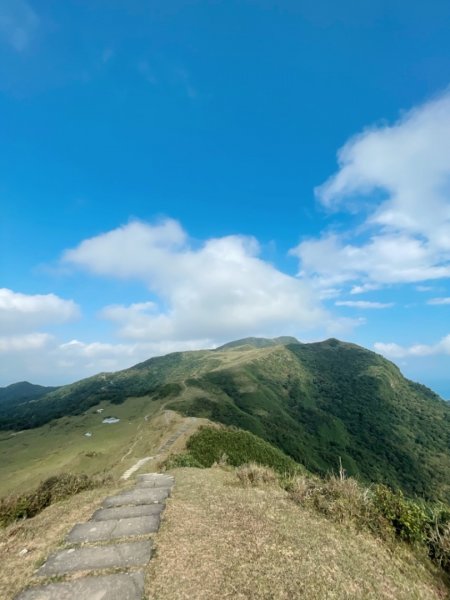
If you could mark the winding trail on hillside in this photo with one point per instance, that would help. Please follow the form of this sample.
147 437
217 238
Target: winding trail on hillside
161 450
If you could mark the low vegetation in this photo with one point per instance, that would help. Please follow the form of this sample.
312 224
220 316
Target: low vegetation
53 489
234 447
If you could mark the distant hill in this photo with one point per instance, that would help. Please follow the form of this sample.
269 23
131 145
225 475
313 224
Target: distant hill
317 402
22 392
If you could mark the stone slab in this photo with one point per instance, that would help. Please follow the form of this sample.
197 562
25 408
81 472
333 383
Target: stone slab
127 512
137 496
124 586
157 478
132 554
103 531
157 483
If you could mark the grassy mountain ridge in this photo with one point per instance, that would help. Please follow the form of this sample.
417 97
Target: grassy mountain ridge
316 402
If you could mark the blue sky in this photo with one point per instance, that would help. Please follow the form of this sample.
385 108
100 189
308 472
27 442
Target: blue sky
174 175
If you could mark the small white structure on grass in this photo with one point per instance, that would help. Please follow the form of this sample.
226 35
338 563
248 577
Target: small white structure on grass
110 420
88 434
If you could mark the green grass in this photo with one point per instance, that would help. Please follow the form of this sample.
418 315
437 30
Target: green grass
29 456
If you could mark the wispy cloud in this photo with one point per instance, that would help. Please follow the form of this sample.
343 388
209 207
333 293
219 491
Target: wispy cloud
147 72
439 301
18 24
364 304
393 350
424 288
165 73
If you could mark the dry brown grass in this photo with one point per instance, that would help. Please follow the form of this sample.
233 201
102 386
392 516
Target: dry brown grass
342 499
40 536
255 475
222 540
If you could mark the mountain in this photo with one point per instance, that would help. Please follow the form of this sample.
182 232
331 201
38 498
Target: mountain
22 392
317 402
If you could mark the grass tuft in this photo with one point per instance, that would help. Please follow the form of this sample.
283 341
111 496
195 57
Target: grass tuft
254 475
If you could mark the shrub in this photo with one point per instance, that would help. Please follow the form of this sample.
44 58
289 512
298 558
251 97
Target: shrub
438 537
208 445
408 518
184 459
53 489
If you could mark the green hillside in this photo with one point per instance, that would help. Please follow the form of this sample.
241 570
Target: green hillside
22 392
316 402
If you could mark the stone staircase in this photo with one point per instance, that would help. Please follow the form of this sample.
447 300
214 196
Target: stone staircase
107 554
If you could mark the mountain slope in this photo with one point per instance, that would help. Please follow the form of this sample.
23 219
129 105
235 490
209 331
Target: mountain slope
316 402
319 402
23 391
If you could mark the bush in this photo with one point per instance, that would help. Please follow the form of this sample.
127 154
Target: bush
438 537
53 489
408 518
184 459
209 445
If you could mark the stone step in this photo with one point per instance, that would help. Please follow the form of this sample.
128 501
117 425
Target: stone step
127 512
132 554
157 483
137 496
124 586
155 476
103 531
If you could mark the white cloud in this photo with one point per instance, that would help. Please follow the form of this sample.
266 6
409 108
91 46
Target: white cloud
27 353
24 342
398 177
392 350
18 23
25 312
385 259
107 356
362 289
220 290
439 301
424 288
363 304
410 162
